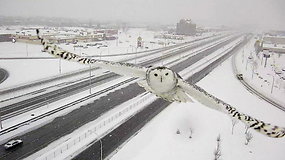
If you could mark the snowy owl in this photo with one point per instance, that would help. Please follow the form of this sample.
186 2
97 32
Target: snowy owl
167 84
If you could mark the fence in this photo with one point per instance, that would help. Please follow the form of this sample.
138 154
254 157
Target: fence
76 144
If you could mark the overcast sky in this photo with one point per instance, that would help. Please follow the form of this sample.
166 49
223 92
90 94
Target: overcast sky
246 13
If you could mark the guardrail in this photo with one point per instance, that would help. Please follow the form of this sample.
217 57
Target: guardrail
90 135
69 74
76 102
4 131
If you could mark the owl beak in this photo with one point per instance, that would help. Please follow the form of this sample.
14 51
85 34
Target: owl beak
161 79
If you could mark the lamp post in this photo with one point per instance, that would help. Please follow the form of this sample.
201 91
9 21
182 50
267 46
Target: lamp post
242 56
27 49
273 79
282 79
249 59
254 66
59 65
101 146
101 54
1 126
266 55
90 80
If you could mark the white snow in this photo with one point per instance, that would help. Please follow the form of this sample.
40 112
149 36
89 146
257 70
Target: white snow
260 77
67 150
158 139
44 109
93 130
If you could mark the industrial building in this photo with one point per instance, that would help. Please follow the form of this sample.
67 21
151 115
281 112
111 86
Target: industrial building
186 27
274 44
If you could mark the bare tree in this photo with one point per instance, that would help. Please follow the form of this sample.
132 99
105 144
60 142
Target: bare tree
217 151
178 131
234 122
191 132
248 137
246 129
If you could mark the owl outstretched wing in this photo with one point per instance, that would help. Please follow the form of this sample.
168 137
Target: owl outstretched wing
210 101
127 69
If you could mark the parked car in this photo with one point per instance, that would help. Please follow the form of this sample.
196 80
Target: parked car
13 143
239 76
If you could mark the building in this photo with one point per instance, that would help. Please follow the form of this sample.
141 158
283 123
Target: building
185 27
274 39
5 37
274 44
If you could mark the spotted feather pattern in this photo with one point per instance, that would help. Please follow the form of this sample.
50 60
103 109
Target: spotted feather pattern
211 101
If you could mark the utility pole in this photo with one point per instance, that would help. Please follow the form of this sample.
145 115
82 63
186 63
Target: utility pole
27 49
59 65
90 78
101 146
273 79
1 126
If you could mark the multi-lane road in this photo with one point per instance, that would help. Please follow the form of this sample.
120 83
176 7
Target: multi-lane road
41 137
118 136
3 75
42 97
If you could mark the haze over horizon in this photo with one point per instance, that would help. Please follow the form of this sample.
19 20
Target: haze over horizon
260 14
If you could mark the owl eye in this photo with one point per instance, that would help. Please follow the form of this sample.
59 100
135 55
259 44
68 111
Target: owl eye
166 74
155 75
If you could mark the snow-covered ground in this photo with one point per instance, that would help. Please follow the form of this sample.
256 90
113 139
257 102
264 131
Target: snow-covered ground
261 77
28 72
34 66
63 148
48 107
159 140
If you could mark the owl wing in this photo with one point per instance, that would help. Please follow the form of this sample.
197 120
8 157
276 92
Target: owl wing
210 101
117 67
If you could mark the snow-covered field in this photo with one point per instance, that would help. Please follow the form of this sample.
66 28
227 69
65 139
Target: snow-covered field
48 107
24 71
59 147
261 77
159 138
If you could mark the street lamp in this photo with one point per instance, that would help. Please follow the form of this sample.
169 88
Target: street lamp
249 59
266 55
253 66
101 53
59 65
101 146
1 126
272 82
242 56
89 75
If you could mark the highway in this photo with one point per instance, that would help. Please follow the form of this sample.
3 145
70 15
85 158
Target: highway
3 75
76 87
256 92
41 137
65 92
80 72
112 141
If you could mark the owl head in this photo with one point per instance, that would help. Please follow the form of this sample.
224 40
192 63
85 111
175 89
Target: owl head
161 79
